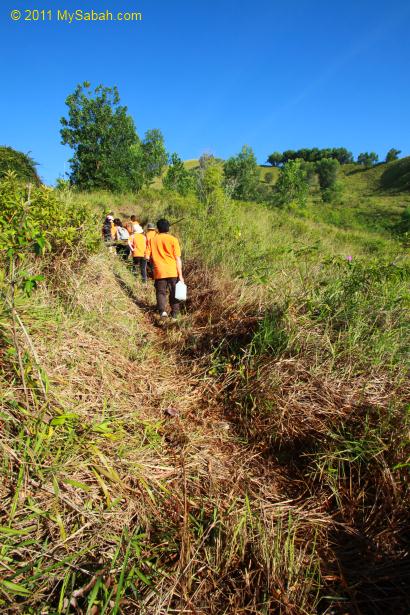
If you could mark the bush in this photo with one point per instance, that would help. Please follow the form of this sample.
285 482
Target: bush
38 220
292 185
22 164
327 169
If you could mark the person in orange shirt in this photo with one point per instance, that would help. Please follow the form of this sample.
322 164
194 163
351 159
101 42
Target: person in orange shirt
150 231
165 253
138 245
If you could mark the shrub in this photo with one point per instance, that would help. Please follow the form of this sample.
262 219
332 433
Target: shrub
292 185
327 169
22 164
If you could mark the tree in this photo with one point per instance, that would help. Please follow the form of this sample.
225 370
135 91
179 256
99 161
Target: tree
342 155
154 155
292 185
327 169
393 154
367 159
22 164
178 178
268 178
275 159
242 171
103 138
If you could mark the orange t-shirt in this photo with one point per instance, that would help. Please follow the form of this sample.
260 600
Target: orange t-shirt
149 235
164 250
138 244
113 231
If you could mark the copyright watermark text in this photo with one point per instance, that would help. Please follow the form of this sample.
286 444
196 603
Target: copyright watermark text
73 16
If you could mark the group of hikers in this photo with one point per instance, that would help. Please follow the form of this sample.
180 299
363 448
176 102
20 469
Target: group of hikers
155 254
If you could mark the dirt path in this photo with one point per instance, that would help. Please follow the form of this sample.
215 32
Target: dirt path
143 453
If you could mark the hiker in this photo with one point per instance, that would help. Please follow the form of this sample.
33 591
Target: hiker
122 235
107 228
138 246
165 253
133 226
149 234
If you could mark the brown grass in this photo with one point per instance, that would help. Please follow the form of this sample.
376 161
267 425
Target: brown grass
218 459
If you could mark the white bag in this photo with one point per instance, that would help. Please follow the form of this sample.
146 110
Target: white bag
180 291
122 233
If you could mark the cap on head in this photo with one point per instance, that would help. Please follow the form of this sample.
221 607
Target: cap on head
151 227
163 225
110 217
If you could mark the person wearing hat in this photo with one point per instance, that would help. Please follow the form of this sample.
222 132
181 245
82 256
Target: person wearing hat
138 246
165 253
150 232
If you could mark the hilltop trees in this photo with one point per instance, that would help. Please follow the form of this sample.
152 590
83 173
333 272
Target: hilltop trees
275 159
22 164
393 154
341 154
367 159
108 153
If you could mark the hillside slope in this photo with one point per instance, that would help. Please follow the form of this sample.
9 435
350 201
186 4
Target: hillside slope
251 459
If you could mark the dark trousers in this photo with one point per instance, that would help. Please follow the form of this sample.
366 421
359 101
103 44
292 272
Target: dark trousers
141 263
162 288
123 251
150 269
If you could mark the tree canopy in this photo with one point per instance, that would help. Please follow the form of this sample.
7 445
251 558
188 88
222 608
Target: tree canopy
242 172
367 159
22 164
341 154
108 154
393 154
177 177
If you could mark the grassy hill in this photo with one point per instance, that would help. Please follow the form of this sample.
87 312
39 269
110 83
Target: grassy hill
370 198
251 459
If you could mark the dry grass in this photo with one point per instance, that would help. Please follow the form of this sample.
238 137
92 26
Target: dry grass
112 504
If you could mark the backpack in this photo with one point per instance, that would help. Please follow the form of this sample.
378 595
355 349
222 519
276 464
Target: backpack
122 233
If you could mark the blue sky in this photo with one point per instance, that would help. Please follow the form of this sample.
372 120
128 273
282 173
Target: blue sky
215 74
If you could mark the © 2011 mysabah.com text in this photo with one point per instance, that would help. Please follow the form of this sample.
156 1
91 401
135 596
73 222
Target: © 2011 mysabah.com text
73 16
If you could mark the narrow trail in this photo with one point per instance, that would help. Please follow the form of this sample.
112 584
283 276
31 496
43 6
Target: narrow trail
161 457
194 419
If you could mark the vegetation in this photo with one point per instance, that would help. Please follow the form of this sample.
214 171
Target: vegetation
292 185
241 174
367 159
252 459
21 164
108 153
341 154
392 154
177 177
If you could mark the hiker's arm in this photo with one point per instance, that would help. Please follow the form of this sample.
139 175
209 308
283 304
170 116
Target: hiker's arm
179 268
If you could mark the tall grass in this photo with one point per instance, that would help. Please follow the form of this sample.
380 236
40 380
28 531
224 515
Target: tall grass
277 482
